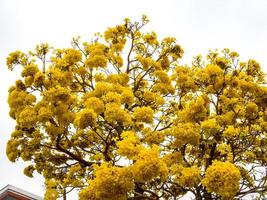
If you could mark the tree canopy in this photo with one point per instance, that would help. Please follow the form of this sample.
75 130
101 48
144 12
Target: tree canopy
120 118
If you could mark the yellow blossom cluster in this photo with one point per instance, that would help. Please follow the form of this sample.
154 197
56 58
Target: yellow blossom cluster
15 58
148 62
27 117
85 118
115 114
222 62
101 89
153 137
96 104
152 98
184 79
225 150
73 177
116 60
251 110
143 114
149 165
151 38
173 158
130 145
116 37
187 133
127 96
97 56
223 179
195 111
110 183
28 171
210 126
30 70
230 132
121 79
18 100
186 176
112 97
12 150
211 76
51 192
72 56
56 77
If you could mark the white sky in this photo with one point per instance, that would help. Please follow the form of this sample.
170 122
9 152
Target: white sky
240 25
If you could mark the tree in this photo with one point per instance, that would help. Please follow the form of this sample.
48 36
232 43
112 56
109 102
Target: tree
120 118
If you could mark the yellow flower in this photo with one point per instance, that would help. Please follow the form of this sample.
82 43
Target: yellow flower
117 60
110 182
17 134
224 149
130 145
102 88
153 98
153 137
39 79
151 38
185 133
163 88
97 55
145 62
28 171
12 149
44 114
96 104
96 61
114 114
85 118
112 97
29 70
27 117
173 158
222 178
14 58
165 63
184 79
127 96
210 126
17 100
230 132
143 114
210 74
121 79
162 76
51 192
72 56
99 77
186 176
195 111
222 62
148 165
252 110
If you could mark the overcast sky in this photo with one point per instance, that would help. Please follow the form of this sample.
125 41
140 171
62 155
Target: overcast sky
198 25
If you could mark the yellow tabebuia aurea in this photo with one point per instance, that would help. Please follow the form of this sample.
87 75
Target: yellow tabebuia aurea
120 118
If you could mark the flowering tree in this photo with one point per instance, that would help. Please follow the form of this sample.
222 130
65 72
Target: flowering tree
119 118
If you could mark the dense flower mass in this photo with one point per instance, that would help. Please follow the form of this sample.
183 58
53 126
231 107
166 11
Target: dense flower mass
143 114
222 178
110 183
120 118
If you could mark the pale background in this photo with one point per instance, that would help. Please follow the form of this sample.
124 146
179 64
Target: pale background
198 25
